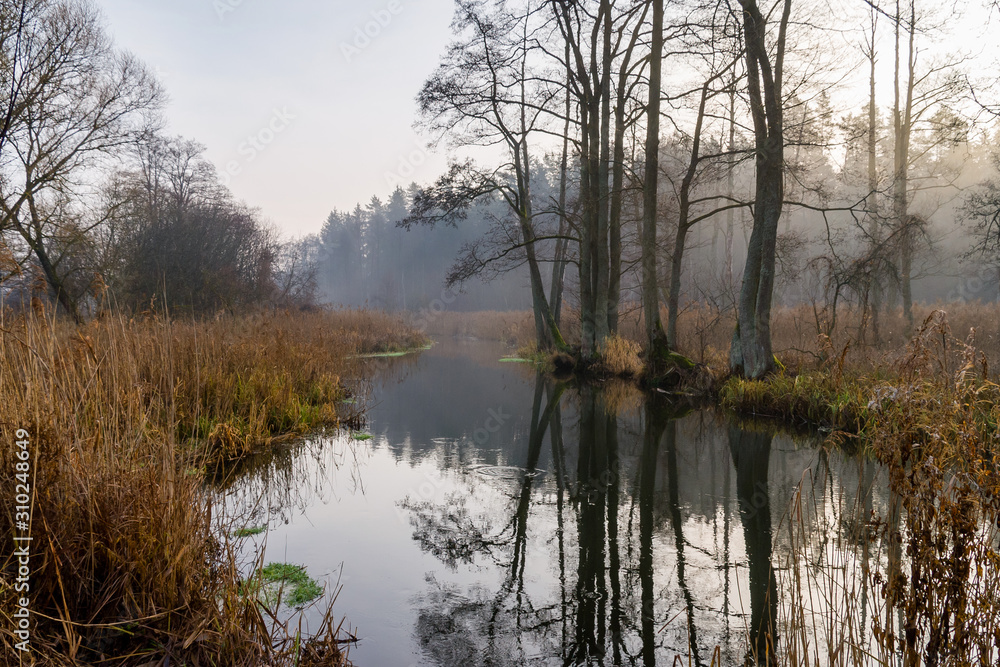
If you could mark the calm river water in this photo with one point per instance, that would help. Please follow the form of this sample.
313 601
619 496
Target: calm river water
496 518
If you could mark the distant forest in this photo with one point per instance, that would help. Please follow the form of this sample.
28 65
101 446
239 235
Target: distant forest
364 258
880 204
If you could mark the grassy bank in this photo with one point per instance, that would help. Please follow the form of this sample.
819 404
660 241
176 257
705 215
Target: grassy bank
122 416
929 414
914 582
803 338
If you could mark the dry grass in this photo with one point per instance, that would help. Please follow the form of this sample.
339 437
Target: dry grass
930 562
799 333
126 567
621 357
808 399
514 328
364 331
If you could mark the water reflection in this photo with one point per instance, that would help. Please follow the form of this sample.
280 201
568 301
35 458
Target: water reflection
508 519
612 606
751 454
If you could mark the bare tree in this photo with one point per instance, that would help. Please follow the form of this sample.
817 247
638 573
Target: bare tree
656 340
483 94
71 99
174 234
751 352
697 160
918 92
296 273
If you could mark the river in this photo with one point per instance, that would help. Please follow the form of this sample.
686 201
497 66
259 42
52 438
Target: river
499 518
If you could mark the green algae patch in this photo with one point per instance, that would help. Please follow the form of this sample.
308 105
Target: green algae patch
283 582
249 531
392 354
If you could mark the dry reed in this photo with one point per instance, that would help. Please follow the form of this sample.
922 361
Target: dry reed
126 567
802 337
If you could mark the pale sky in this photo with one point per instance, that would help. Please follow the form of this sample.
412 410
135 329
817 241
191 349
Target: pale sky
333 112
240 68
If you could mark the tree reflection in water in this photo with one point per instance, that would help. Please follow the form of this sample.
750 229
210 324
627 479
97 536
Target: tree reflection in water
623 587
751 453
593 525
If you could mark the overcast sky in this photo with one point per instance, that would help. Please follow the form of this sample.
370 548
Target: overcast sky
234 69
332 108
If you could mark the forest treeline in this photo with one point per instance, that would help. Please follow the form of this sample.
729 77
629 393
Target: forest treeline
362 257
97 204
607 158
737 154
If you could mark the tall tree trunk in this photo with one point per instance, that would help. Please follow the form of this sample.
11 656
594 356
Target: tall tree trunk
593 86
618 178
656 341
588 176
751 353
546 331
683 224
603 274
594 299
731 189
617 194
902 125
875 231
558 275
562 245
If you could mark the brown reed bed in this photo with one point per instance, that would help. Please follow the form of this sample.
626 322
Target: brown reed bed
514 328
915 582
123 416
803 337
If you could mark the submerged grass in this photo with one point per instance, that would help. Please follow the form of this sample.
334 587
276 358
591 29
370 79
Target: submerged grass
124 416
278 583
249 532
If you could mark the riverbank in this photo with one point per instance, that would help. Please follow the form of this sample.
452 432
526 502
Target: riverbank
930 417
124 417
926 409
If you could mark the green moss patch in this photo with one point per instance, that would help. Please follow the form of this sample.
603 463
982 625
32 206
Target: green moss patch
249 532
394 353
291 582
